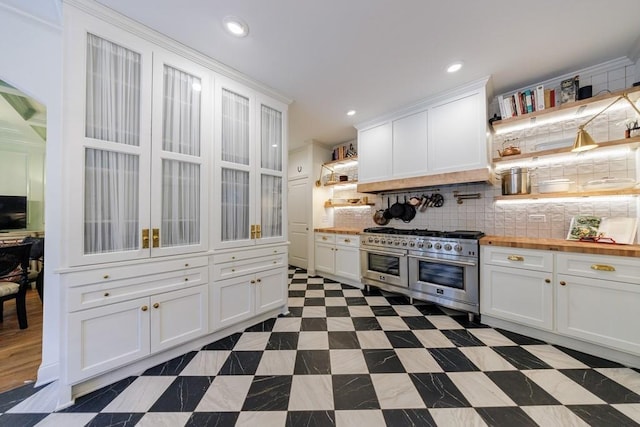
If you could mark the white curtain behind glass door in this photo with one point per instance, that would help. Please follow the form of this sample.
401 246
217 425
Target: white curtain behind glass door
235 205
235 128
271 216
271 138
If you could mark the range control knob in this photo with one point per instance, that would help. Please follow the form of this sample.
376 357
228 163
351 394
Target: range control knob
429 245
437 246
377 241
412 244
396 243
420 245
370 239
447 247
383 241
457 248
404 243
389 242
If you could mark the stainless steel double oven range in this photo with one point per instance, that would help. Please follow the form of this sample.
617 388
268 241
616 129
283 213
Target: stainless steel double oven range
437 266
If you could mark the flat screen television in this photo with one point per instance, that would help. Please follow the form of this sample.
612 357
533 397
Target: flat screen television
13 212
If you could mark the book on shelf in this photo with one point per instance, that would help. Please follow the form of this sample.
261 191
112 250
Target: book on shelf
518 101
528 101
540 99
549 98
506 112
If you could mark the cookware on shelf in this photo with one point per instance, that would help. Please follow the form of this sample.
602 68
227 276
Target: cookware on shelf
409 211
397 209
379 217
387 212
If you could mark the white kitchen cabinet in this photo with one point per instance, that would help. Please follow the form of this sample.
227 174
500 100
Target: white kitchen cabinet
338 257
242 297
598 299
409 155
139 147
458 133
114 335
375 152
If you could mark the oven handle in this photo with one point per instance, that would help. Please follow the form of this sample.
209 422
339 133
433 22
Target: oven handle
369 251
445 261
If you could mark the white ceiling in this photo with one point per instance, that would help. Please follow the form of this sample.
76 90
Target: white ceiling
377 55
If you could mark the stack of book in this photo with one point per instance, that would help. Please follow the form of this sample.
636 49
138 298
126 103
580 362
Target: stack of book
526 101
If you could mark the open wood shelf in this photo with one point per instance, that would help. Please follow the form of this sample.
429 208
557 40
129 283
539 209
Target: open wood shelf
341 161
626 192
329 204
352 181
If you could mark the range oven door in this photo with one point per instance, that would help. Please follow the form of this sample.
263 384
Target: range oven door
453 283
384 266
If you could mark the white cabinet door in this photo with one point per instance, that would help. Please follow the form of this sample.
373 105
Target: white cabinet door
347 262
231 301
375 153
179 316
522 296
271 289
325 258
599 311
458 134
107 337
410 145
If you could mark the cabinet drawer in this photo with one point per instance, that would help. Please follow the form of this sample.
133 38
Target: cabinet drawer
515 257
325 238
348 240
621 269
83 297
236 268
234 256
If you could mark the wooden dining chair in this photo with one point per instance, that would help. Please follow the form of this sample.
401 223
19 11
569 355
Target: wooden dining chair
14 279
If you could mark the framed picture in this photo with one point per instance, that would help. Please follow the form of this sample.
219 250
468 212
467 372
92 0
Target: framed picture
569 90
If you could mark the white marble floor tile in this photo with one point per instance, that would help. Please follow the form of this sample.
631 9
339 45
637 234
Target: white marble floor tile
340 324
298 287
140 395
206 362
392 323
625 376
631 410
467 417
417 360
360 311
261 418
479 390
226 393
348 362
315 281
43 401
491 337
314 293
554 416
311 392
277 362
296 302
314 311
377 301
368 418
373 339
444 322
486 359
335 301
313 340
352 293
69 420
287 324
332 287
563 389
554 357
433 338
164 419
396 391
407 310
252 341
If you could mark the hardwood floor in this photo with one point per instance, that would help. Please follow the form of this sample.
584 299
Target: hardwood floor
20 349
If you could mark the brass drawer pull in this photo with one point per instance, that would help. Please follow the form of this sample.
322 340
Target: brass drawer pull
252 282
186 265
106 276
186 279
563 283
259 280
324 238
106 294
547 280
156 305
603 267
515 258
347 240
144 308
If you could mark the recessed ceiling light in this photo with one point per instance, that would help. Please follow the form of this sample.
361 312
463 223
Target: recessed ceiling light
351 112
454 67
236 26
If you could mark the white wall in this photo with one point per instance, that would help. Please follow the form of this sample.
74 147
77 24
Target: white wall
31 47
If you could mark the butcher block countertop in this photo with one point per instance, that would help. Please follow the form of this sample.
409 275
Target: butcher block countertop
339 230
562 245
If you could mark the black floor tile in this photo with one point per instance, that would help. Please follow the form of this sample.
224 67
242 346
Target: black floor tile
408 417
438 391
418 322
283 341
343 340
520 339
521 389
333 293
97 400
266 326
115 419
11 398
398 300
312 362
403 339
429 309
521 358
463 319
602 416
383 310
602 386
339 311
214 419
315 287
297 294
241 363
382 361
506 416
226 343
366 324
356 301
22 420
311 419
462 338
294 312
589 360
298 281
372 292
313 324
268 393
173 366
183 395
354 392
314 302
452 360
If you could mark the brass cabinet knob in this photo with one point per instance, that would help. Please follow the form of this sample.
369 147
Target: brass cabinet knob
156 305
603 267
106 294
186 265
324 238
515 258
252 282
144 308
347 240
259 280
547 280
186 279
106 276
563 283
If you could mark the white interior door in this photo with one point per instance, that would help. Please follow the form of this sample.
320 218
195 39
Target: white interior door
298 211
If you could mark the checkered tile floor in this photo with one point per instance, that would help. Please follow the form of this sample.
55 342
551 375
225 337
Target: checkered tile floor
348 357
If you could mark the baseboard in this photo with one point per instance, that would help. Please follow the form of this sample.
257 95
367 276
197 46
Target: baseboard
47 373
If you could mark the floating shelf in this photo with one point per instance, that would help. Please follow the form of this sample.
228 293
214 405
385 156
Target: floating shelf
329 184
341 161
329 204
626 192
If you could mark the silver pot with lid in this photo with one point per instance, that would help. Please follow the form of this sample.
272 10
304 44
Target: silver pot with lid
516 180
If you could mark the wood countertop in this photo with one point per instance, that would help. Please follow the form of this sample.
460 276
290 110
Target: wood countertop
560 245
338 230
